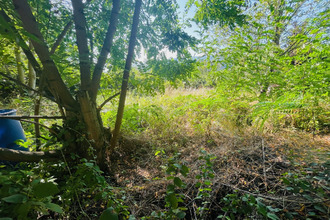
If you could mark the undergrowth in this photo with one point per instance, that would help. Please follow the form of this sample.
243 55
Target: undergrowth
188 153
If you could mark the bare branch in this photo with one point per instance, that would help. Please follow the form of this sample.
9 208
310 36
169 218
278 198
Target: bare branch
27 87
22 44
107 100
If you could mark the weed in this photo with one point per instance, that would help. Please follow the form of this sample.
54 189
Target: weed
25 195
204 184
311 183
175 171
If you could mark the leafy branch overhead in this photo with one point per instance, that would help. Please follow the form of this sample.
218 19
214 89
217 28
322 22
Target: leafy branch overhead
219 12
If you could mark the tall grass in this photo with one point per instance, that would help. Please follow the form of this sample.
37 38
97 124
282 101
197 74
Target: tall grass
179 114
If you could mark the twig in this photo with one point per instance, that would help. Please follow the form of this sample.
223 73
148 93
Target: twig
263 162
22 118
281 199
18 82
37 104
41 125
28 87
107 100
75 190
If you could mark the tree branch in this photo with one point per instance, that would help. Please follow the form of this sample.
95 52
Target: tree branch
50 71
107 100
27 87
17 117
61 37
26 156
22 44
80 26
107 44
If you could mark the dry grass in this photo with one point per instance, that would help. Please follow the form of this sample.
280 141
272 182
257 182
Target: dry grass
239 165
248 160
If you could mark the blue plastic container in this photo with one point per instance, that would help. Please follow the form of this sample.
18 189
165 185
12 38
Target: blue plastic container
11 131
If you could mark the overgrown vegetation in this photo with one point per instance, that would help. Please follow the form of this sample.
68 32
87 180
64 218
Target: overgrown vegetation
239 132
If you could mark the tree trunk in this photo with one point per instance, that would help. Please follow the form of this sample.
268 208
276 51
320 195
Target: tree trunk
32 75
19 63
127 70
96 135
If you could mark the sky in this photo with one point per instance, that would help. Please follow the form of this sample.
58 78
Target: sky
190 14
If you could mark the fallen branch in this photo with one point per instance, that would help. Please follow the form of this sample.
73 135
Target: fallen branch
26 156
17 117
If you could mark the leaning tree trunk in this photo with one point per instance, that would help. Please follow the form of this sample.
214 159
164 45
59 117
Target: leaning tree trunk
128 65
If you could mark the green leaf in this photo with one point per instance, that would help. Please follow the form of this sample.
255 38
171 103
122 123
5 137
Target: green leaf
42 190
6 218
171 187
172 200
272 216
273 209
184 170
54 207
108 214
177 166
177 181
262 209
157 152
181 215
17 198
89 164
320 208
207 182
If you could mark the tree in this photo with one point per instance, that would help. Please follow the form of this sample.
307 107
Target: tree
24 21
278 58
254 54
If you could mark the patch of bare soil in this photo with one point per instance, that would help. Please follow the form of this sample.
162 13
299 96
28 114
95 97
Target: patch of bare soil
287 170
